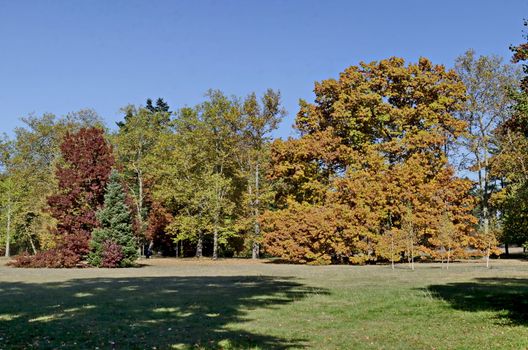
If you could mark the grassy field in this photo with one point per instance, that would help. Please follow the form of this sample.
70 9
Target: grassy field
234 304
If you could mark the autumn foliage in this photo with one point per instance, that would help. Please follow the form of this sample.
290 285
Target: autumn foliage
371 154
369 179
81 176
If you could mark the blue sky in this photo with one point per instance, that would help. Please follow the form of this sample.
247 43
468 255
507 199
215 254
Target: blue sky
61 56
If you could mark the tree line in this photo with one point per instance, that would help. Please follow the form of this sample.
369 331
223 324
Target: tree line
393 161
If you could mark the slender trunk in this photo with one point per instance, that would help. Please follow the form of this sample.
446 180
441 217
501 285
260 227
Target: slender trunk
412 254
507 249
486 234
139 208
140 202
8 232
219 197
215 243
256 249
255 253
448 256
199 245
488 256
392 251
389 229
33 248
150 246
483 187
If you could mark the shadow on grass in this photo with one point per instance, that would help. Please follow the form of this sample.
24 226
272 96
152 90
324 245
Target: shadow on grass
514 256
506 296
143 313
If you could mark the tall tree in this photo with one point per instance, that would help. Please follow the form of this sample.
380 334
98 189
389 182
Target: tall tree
160 107
82 176
258 119
28 165
196 171
136 138
115 229
374 141
216 114
12 201
489 83
510 161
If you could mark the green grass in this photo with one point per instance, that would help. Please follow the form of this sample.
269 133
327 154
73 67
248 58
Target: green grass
224 305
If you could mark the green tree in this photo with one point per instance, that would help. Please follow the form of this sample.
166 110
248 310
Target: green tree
510 160
8 192
160 107
489 83
135 140
196 170
33 154
258 119
115 220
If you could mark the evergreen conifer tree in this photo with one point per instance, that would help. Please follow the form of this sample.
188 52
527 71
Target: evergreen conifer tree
113 243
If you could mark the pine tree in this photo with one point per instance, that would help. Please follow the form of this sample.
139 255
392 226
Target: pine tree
113 243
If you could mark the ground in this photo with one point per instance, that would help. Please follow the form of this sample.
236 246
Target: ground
240 304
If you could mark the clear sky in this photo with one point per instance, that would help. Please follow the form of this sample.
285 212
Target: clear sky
61 56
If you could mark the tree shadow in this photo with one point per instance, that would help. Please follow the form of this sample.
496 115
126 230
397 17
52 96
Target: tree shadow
508 297
144 313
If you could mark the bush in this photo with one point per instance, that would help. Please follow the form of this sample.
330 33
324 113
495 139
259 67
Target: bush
112 254
53 258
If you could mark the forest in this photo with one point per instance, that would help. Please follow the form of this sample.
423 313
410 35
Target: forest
393 161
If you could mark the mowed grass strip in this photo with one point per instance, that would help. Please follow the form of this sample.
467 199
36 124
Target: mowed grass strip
225 305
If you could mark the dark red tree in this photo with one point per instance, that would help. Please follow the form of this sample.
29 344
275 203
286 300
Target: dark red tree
87 161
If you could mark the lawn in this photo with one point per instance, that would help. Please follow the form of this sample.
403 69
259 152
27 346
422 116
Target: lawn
238 304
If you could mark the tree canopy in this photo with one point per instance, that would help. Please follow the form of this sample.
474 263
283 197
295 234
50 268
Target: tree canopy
393 161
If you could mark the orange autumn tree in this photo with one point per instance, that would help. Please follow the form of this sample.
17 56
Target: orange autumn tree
371 152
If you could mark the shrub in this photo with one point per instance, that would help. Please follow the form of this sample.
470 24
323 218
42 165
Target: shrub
53 258
112 254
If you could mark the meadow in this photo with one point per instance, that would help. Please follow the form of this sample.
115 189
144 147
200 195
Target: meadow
240 304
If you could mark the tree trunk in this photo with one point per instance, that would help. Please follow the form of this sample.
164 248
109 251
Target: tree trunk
412 254
392 251
139 207
488 256
256 249
448 256
33 248
8 232
389 229
255 252
215 244
140 202
507 249
150 246
199 245
486 234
